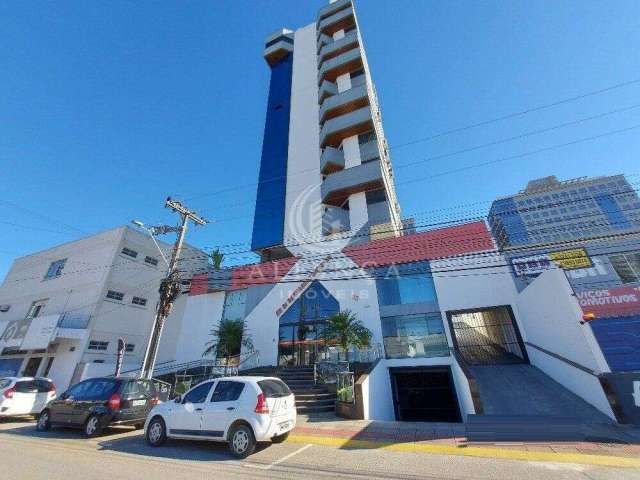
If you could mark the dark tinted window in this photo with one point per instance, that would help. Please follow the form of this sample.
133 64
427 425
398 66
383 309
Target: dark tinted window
198 394
147 387
227 391
77 391
273 388
44 385
100 389
25 387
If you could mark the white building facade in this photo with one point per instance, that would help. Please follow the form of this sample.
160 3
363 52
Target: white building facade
64 309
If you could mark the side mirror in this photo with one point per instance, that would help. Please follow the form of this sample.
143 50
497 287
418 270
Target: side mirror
178 399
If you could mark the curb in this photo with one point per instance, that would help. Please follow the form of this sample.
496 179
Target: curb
484 452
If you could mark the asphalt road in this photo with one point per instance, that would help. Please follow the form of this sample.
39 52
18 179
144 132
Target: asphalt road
26 454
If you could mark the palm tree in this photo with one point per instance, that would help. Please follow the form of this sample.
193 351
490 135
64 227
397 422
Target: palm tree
229 336
345 330
216 258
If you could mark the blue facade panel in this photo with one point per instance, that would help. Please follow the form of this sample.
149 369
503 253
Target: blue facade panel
612 211
504 216
268 223
619 339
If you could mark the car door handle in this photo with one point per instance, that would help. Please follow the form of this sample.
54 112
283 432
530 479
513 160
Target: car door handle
231 408
198 409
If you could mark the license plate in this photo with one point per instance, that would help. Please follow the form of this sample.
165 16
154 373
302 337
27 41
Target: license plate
284 425
138 403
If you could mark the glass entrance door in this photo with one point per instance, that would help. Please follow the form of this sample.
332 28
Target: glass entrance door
300 344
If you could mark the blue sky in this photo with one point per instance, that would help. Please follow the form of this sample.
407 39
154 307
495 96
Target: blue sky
108 107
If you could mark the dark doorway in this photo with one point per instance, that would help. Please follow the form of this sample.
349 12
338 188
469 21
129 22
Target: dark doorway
487 336
32 366
424 395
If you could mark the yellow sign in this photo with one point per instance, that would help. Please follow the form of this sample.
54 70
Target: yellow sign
571 259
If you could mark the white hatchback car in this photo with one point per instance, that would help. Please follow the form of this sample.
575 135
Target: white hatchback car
237 410
24 395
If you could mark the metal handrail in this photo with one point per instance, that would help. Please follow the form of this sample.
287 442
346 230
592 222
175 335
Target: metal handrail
563 359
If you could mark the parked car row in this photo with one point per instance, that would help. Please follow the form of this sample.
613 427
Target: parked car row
238 410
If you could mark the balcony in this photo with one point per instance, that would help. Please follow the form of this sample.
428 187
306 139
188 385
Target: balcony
369 151
337 187
344 102
344 63
332 8
336 47
340 20
331 160
278 46
73 325
327 89
335 220
336 129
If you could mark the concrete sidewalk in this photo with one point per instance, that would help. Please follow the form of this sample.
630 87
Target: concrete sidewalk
609 445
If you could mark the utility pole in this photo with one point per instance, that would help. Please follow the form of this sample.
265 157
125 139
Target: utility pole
170 285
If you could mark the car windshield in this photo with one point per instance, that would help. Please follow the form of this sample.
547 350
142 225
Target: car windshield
273 388
5 382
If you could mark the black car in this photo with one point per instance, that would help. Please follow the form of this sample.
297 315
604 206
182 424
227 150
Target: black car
99 402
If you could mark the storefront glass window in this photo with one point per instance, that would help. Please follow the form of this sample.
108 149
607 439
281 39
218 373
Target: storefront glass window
411 336
406 287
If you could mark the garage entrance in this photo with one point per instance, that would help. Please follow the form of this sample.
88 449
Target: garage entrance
424 394
487 336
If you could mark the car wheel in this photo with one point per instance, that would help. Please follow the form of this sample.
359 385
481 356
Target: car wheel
156 432
44 421
242 443
92 427
280 438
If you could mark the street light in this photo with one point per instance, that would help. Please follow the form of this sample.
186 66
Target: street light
152 232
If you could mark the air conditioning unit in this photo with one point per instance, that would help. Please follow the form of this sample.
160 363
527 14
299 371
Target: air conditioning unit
4 308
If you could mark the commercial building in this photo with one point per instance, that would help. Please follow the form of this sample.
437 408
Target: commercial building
455 337
325 167
549 210
62 310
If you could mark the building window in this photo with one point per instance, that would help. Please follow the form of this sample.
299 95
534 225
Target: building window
627 266
401 288
411 336
36 308
113 295
139 301
129 347
376 196
96 345
129 253
55 269
151 261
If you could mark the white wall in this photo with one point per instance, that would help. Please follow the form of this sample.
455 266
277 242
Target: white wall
378 398
465 401
550 316
303 214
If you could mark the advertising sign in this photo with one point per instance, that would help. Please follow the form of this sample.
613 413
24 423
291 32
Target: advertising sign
120 356
573 259
610 302
40 332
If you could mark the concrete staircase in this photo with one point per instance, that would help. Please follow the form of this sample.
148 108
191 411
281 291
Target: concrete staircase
521 402
310 398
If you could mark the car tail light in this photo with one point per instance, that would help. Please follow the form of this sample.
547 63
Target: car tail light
8 393
114 401
155 401
261 406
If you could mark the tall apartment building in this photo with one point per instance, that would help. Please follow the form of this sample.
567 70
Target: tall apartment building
62 310
325 166
549 210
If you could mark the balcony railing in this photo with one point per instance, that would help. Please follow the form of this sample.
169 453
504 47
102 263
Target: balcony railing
327 89
332 8
337 187
337 129
344 63
336 47
335 220
341 20
345 102
331 160
74 320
